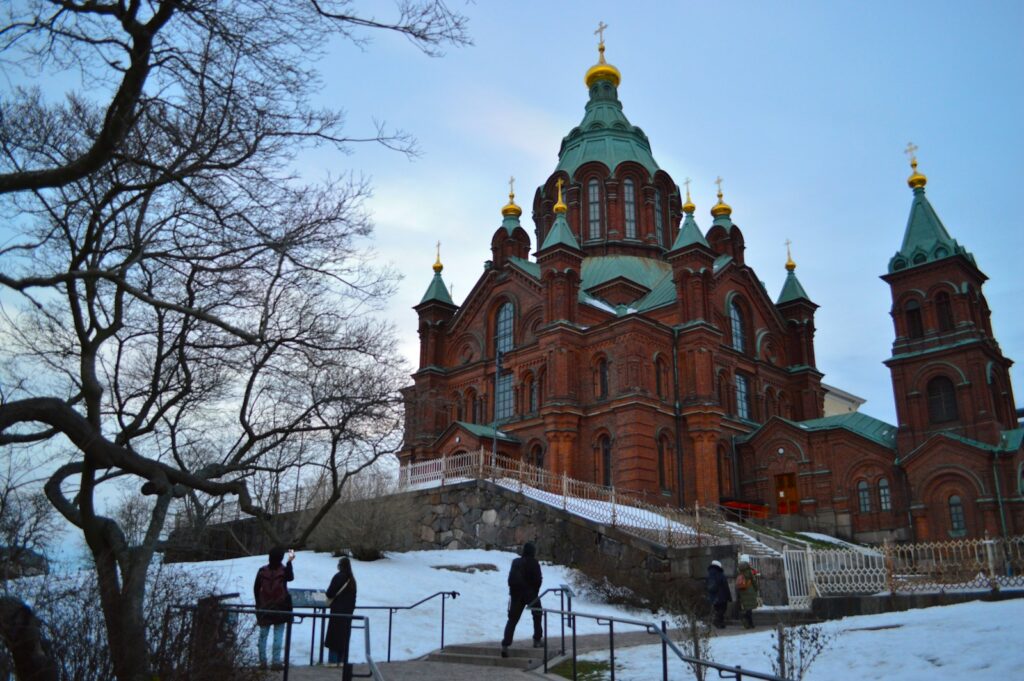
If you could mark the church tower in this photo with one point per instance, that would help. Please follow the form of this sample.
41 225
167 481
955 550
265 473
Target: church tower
948 372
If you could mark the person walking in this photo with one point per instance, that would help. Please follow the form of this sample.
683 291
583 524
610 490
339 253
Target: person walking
524 580
718 592
341 594
273 603
748 591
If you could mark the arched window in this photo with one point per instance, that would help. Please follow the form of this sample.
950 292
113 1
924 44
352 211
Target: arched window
594 209
944 311
912 313
957 522
941 400
737 326
884 498
503 328
458 407
662 478
742 397
659 219
537 456
629 201
531 393
504 398
661 378
864 496
606 461
602 379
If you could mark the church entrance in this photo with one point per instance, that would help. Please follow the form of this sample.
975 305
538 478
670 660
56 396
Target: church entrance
787 502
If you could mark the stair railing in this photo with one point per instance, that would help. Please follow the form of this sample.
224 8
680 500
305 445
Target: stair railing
392 609
565 596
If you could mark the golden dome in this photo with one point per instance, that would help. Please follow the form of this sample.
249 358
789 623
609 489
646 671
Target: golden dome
790 265
602 70
560 206
721 208
510 208
688 207
437 263
916 179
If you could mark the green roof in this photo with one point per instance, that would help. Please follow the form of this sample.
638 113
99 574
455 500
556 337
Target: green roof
1009 442
926 239
437 291
861 424
792 290
528 266
689 233
560 234
605 135
486 431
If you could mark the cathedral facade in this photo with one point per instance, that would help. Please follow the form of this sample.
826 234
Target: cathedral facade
637 351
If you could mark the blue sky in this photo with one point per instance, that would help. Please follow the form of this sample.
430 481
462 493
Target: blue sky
804 109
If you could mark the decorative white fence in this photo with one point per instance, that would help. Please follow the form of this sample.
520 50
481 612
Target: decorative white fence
959 565
627 511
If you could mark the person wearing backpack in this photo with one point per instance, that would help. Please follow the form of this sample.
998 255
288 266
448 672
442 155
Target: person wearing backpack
524 580
273 603
341 595
748 591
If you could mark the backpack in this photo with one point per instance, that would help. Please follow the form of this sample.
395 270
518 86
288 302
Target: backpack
273 591
741 581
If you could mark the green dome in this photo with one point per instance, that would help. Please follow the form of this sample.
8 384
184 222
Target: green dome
605 135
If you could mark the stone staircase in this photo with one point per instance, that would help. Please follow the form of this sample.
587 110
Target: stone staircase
490 656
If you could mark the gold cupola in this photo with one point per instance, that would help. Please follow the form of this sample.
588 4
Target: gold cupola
510 209
688 207
560 206
916 179
720 209
437 263
790 265
602 70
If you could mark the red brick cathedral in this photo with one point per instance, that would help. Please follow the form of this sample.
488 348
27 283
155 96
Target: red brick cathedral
638 351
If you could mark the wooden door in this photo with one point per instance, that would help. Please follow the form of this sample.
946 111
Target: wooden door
787 501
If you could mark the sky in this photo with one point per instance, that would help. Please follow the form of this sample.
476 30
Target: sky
972 640
803 108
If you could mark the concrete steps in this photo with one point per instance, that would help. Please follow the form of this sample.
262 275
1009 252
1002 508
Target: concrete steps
490 656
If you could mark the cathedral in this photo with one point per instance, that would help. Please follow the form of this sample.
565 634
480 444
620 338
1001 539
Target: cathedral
636 350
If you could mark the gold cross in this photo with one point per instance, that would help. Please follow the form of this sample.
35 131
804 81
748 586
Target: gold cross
911 151
687 183
788 242
439 251
718 181
600 31
559 183
511 188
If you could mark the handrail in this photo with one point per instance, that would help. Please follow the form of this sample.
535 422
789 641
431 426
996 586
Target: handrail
392 609
737 672
565 596
358 622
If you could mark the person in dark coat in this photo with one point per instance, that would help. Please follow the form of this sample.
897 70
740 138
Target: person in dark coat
524 580
718 592
342 595
270 592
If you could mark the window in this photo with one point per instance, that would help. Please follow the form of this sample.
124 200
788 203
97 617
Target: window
629 199
537 457
503 329
884 498
606 460
659 219
531 394
1020 480
864 496
736 323
944 311
660 378
602 379
912 310
957 522
661 463
941 400
742 397
504 401
594 209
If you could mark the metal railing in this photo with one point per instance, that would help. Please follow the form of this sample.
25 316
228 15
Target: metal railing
565 596
359 622
724 670
392 609
626 510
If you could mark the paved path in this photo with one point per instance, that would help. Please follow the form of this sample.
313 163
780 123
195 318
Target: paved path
424 670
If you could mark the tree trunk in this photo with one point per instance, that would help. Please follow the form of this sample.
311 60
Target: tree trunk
31 653
123 615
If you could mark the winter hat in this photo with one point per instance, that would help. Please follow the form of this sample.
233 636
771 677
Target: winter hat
716 563
744 559
529 550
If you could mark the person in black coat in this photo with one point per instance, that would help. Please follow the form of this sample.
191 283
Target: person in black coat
524 580
270 593
718 592
342 595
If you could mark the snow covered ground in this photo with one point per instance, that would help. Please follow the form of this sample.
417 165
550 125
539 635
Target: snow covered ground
972 640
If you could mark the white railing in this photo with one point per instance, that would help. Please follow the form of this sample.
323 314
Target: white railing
625 510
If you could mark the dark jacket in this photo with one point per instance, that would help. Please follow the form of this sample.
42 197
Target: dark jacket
343 591
524 579
718 587
268 572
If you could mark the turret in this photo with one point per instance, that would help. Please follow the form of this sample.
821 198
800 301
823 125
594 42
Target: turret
561 261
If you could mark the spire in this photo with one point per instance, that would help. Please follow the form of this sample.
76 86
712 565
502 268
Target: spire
510 210
925 239
560 233
437 292
721 210
689 232
791 289
602 70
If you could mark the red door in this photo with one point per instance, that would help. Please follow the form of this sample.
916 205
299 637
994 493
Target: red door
786 499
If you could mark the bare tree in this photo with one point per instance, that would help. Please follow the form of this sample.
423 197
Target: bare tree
28 522
195 319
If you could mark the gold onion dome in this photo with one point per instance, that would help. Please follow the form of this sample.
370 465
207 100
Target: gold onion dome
790 265
602 70
688 207
721 208
560 206
510 208
437 263
916 179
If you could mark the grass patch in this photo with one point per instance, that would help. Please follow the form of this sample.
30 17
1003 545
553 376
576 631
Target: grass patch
586 670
